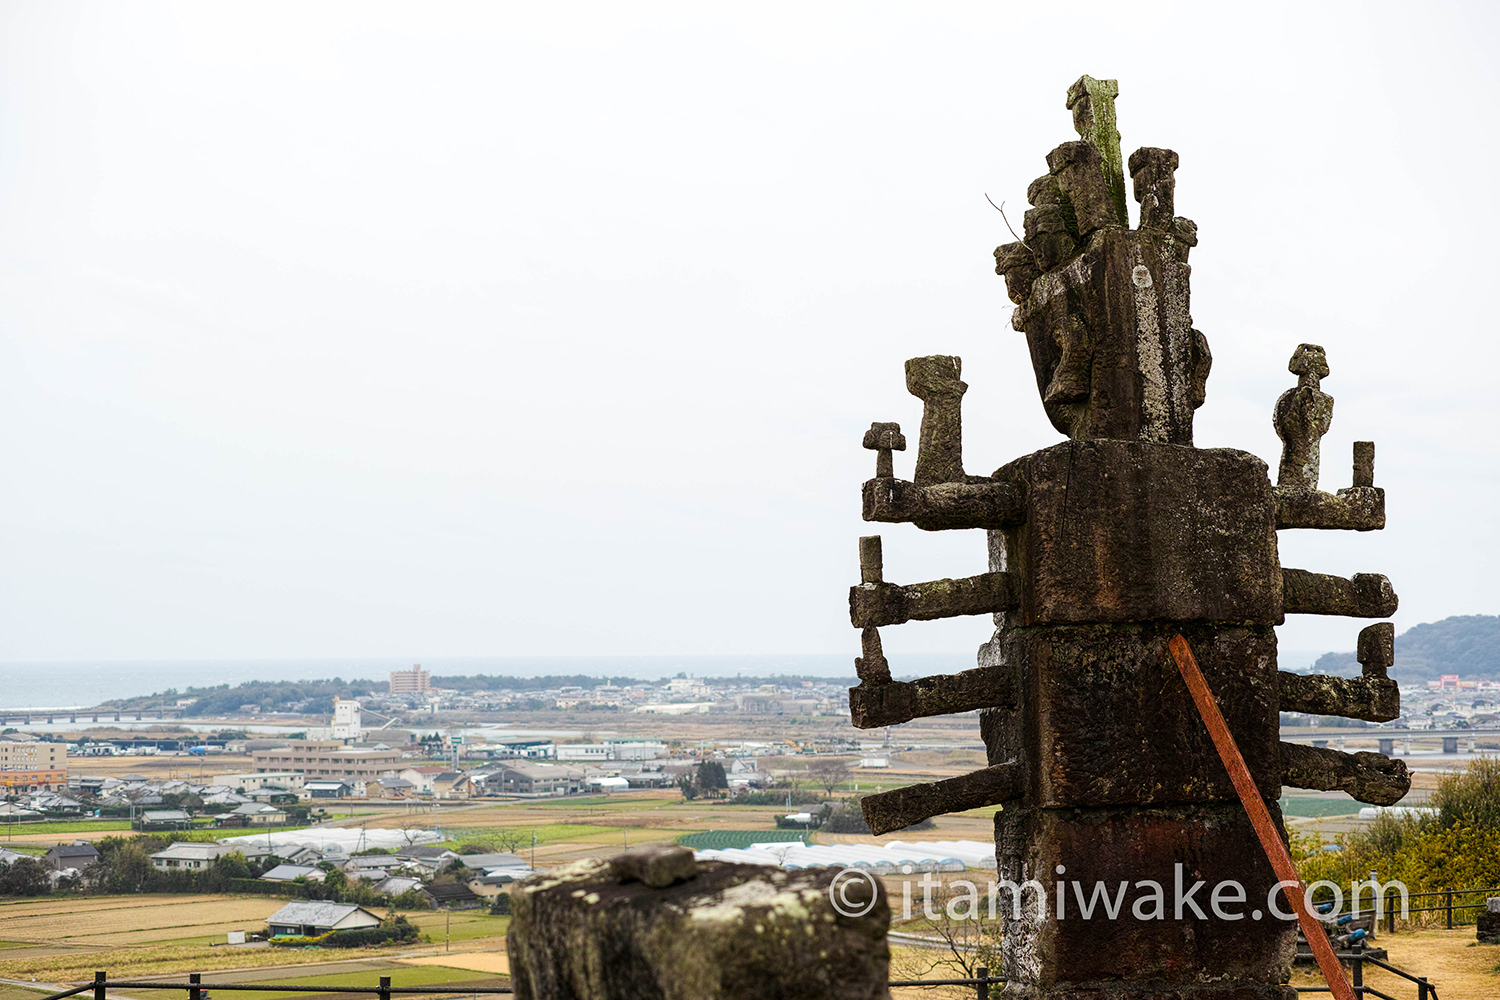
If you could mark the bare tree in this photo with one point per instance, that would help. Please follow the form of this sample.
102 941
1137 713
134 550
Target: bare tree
828 773
954 919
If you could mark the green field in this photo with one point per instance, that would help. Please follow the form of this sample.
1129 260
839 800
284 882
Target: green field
71 826
460 925
724 840
1309 806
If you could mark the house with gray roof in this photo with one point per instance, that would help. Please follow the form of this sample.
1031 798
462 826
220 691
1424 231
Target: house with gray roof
75 855
162 819
529 778
253 814
311 918
291 873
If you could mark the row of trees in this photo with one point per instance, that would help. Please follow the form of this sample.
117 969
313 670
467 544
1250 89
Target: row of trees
709 780
124 867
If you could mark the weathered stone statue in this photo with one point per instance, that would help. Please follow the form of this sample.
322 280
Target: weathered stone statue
1102 548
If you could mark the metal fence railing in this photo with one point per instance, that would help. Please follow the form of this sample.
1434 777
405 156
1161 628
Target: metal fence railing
981 981
1447 907
1357 963
197 989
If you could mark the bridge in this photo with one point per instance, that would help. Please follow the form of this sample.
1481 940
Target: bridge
1386 739
51 716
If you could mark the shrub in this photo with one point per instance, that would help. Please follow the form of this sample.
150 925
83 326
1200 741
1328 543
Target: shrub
846 819
394 930
771 798
1470 797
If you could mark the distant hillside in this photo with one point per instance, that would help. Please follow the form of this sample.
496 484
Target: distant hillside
1464 644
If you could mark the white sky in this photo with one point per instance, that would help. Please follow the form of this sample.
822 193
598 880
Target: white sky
335 330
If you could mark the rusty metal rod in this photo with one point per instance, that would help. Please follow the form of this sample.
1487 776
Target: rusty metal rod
1260 819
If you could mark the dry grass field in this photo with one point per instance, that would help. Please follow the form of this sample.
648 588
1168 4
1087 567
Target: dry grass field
50 937
54 940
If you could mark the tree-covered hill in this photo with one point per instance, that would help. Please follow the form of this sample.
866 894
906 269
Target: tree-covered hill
1468 645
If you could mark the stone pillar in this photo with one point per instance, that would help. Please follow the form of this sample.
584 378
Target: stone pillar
1124 784
1102 549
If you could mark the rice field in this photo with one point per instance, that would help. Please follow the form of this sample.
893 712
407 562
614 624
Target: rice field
121 920
65 940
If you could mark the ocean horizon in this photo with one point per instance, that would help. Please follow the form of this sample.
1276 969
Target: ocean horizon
80 684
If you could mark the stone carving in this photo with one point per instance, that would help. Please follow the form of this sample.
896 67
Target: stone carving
653 923
1302 418
1102 548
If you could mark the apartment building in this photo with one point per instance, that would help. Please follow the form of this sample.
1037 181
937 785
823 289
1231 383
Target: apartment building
33 766
413 681
329 759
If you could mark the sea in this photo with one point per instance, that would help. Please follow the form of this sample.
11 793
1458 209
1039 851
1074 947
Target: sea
63 685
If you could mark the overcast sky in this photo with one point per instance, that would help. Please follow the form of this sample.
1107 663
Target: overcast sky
340 330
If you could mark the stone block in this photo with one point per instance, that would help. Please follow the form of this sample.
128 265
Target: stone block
1488 931
600 930
1126 531
1137 953
1108 721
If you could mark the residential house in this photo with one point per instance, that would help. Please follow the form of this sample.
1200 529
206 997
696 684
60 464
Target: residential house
191 857
422 776
486 862
12 813
328 789
451 896
488 887
375 867
195 856
391 788
395 885
453 785
431 859
250 782
75 855
291 873
254 814
311 854
536 778
162 819
311 919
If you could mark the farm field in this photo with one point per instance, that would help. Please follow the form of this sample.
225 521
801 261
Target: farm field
65 940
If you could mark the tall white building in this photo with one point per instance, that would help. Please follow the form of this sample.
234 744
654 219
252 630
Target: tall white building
346 720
